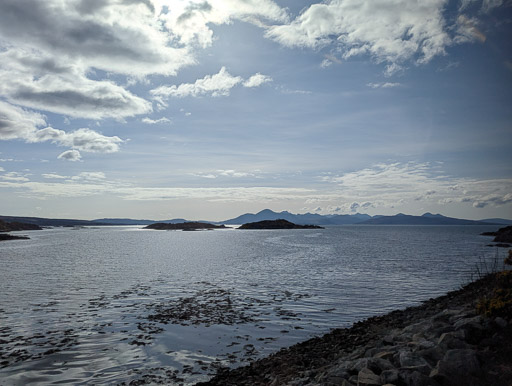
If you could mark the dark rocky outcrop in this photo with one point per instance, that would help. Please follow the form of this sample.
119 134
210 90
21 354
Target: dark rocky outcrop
502 235
443 342
17 226
277 224
185 226
4 237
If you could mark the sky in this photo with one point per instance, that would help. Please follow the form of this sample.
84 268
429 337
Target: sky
205 110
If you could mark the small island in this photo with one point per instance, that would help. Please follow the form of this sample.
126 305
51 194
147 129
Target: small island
277 224
4 237
15 226
502 236
185 226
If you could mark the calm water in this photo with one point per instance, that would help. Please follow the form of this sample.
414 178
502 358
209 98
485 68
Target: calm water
117 304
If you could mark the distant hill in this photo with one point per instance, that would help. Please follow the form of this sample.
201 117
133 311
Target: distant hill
17 226
500 221
277 224
49 222
302 219
130 221
425 219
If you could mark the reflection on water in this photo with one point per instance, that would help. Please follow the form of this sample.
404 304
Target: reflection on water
119 304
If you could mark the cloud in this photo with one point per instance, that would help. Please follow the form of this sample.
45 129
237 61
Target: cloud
225 173
467 30
190 22
383 185
150 121
384 85
120 36
390 31
18 123
40 82
90 176
82 139
257 80
216 85
14 176
70 155
54 176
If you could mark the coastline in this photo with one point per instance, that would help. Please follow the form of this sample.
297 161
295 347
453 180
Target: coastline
443 341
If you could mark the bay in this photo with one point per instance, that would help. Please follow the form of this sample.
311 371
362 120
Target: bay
120 304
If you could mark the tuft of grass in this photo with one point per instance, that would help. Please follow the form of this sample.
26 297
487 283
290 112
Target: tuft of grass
499 303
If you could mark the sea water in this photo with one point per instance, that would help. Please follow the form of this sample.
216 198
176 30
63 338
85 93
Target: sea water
111 305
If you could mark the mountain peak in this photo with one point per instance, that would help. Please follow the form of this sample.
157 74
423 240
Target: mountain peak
428 214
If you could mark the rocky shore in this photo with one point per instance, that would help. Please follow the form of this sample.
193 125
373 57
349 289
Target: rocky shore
462 338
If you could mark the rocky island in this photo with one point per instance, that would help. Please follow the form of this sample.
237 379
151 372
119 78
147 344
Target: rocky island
277 224
185 226
502 236
15 226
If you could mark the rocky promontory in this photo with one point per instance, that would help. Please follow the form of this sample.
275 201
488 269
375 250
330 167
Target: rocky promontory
502 235
5 237
185 226
17 226
277 224
462 338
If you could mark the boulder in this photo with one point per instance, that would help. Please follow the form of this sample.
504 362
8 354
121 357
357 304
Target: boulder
366 377
458 367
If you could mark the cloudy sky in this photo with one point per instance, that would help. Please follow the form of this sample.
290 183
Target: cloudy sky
209 109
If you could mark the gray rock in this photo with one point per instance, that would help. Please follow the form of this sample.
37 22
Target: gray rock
465 323
412 361
432 355
366 377
384 355
389 376
416 378
458 367
452 340
418 327
500 322
376 365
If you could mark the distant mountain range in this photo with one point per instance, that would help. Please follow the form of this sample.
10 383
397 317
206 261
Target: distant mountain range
362 219
267 214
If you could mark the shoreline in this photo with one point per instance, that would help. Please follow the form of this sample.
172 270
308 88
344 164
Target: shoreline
443 341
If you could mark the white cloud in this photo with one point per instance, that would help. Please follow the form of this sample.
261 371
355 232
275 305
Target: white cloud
120 36
54 176
150 121
390 31
257 80
70 155
18 123
90 176
190 22
82 139
41 82
14 176
219 84
225 173
216 85
384 85
384 185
